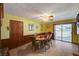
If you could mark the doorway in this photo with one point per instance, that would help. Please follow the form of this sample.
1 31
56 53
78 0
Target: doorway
16 33
63 32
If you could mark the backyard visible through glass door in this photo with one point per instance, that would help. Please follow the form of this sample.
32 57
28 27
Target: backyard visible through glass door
63 32
67 32
57 33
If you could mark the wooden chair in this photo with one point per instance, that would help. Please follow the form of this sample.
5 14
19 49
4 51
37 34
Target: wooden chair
49 40
35 44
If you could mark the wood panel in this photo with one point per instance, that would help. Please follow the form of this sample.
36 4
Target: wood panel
53 36
1 16
1 10
26 39
16 33
7 42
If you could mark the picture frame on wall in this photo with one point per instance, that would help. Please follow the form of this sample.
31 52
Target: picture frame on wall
30 27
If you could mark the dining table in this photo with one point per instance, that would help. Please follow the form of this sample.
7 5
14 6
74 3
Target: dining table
42 39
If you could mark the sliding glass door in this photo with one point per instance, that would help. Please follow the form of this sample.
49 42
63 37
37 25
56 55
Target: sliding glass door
67 32
57 34
63 32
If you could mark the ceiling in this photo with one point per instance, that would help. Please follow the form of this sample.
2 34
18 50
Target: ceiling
33 11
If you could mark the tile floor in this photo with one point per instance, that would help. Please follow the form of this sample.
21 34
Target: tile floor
58 48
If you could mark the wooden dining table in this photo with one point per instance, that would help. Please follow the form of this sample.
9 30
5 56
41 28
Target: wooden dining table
42 39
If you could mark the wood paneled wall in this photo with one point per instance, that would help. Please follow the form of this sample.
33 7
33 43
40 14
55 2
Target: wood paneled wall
7 42
25 40
1 16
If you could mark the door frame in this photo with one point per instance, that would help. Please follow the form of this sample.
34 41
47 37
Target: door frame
61 37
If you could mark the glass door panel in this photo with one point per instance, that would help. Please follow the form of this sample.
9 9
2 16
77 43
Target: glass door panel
63 32
66 32
57 34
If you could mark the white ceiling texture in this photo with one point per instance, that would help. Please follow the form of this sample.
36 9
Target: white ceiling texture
33 11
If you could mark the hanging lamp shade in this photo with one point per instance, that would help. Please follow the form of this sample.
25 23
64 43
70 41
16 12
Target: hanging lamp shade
50 17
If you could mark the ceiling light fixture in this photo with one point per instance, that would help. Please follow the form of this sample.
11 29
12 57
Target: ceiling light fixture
46 18
50 17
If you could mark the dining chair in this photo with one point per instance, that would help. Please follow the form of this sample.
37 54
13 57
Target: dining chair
35 44
49 40
46 42
42 39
